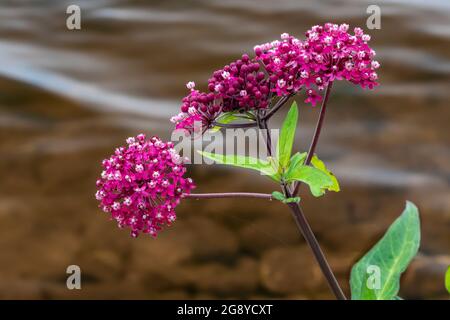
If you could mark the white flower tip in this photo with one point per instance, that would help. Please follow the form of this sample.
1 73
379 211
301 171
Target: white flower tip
190 85
285 36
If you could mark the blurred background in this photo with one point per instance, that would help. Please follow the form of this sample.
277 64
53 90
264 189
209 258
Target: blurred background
67 98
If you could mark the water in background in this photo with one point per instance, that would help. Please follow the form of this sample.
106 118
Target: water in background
67 97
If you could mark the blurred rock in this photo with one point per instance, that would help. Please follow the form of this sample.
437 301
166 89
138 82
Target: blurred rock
171 295
100 264
297 297
47 258
16 220
17 289
352 237
238 280
95 290
193 238
435 221
425 278
353 219
266 233
161 262
156 280
291 271
100 232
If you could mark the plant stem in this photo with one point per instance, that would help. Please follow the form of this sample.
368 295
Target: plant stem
306 231
229 195
311 240
319 124
263 125
317 131
277 106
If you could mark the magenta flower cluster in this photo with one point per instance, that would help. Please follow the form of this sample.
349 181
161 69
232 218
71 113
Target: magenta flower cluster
241 85
327 54
142 183
283 67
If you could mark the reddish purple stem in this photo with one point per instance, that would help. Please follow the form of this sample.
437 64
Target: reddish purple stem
229 195
317 131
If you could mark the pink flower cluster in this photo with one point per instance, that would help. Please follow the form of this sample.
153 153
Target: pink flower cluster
198 111
142 183
328 53
241 85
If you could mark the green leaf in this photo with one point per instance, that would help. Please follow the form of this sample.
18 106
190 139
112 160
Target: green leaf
390 256
278 196
263 167
317 163
296 160
292 200
245 115
274 163
397 298
225 118
287 135
281 197
317 180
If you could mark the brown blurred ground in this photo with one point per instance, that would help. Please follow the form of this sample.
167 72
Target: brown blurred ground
385 146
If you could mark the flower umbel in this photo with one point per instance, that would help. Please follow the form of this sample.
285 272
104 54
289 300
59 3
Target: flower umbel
328 53
241 86
142 183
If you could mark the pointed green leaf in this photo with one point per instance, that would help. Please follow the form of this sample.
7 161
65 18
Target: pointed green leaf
317 163
287 135
274 163
389 257
296 160
317 180
244 162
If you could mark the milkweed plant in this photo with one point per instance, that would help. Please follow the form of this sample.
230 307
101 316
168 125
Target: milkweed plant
143 182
